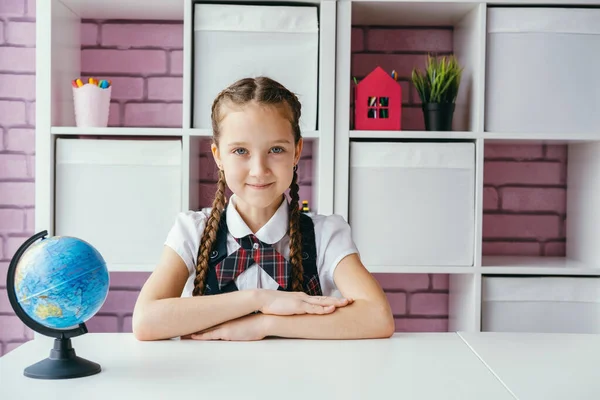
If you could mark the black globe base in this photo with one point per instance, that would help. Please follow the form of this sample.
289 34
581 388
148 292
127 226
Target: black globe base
63 363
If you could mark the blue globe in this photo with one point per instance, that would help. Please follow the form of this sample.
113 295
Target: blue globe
61 282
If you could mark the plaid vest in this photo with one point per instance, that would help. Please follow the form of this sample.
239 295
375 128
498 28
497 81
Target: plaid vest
311 283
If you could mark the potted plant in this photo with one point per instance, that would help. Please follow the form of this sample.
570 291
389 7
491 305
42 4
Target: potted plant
438 89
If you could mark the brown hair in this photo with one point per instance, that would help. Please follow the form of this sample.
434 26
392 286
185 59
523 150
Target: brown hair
265 91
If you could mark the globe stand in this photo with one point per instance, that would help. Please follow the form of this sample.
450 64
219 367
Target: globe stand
63 363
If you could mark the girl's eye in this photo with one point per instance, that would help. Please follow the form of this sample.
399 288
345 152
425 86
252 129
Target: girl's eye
240 151
277 150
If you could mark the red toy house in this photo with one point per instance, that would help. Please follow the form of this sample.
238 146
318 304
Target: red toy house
378 102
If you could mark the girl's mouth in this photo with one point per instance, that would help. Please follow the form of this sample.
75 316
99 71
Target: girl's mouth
260 186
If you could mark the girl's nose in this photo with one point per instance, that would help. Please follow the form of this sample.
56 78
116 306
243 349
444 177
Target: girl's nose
259 166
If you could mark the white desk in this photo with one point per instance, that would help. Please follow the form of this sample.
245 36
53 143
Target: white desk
408 366
542 366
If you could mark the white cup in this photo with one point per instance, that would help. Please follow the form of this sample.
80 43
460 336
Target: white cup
92 104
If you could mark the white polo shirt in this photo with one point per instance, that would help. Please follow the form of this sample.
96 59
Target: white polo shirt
332 237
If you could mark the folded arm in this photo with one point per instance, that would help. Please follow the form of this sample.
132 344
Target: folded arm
369 316
161 313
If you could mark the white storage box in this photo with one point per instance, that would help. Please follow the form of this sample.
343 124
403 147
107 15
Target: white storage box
542 70
237 41
413 203
121 196
541 304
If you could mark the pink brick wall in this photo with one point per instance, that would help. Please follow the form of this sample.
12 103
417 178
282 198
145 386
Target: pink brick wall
17 144
524 200
146 70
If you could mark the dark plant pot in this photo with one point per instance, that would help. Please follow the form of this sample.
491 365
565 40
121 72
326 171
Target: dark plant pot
438 116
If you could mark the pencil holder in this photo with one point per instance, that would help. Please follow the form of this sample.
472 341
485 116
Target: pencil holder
91 104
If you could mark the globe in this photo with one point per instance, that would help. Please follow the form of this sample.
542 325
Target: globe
55 284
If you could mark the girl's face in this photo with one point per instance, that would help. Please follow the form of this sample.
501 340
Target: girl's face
257 154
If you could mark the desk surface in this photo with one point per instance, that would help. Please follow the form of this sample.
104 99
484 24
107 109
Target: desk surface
542 366
407 366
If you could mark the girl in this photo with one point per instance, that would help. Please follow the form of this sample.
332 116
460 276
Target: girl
254 266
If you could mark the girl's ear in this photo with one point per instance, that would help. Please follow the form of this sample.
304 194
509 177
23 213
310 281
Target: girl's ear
298 151
216 155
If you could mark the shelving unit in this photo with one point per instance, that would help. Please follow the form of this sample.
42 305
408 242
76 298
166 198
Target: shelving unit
58 61
468 19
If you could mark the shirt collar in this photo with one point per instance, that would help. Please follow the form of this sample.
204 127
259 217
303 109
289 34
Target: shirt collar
272 232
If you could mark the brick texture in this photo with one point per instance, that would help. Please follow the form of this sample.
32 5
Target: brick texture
17 148
524 200
419 301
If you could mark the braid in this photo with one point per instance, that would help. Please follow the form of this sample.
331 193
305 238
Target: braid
209 236
295 237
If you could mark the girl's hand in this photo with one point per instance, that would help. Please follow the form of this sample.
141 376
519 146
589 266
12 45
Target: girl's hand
249 327
278 302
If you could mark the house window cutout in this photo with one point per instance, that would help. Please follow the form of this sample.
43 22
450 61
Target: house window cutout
378 107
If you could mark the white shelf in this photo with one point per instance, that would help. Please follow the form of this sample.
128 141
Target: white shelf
412 135
200 132
554 137
413 13
523 265
311 135
116 131
489 137
139 9
420 269
127 9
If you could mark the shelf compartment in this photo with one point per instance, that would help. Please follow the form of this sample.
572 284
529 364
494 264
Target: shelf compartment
143 68
560 45
426 216
241 40
431 302
540 200
121 196
524 199
556 304
399 38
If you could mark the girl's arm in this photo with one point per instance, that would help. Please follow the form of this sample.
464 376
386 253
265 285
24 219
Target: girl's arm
161 313
369 316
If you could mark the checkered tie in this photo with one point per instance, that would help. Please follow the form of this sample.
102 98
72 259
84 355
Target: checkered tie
252 251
